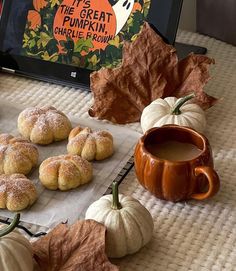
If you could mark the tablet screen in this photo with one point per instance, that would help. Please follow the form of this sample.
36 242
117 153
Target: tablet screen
82 33
63 41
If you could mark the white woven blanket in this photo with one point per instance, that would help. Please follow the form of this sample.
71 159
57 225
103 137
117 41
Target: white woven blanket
193 235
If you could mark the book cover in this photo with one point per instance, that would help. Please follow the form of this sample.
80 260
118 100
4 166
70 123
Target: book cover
83 33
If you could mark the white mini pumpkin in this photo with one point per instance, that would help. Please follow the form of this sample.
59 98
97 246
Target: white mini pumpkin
173 111
129 224
15 250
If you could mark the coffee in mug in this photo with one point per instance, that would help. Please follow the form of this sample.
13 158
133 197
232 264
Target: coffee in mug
174 150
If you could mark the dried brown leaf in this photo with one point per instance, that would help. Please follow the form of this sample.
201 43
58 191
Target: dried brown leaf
150 70
79 247
192 73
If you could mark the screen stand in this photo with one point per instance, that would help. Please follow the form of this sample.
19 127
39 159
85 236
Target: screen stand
184 49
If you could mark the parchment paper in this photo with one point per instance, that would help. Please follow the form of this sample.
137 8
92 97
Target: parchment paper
53 207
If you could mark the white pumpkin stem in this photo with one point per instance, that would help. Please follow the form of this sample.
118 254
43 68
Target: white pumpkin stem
182 101
10 227
115 193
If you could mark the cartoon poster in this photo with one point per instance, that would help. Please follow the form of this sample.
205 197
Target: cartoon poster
83 33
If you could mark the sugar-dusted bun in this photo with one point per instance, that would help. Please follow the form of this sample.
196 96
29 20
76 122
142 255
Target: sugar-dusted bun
90 145
16 192
43 125
65 172
17 155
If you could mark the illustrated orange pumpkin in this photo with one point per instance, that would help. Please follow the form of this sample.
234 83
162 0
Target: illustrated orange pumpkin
83 20
137 7
39 4
34 19
61 49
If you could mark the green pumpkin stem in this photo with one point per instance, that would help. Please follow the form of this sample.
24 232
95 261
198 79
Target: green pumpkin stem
115 193
10 227
176 110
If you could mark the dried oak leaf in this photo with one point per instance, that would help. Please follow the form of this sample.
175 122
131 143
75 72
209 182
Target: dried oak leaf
79 247
150 69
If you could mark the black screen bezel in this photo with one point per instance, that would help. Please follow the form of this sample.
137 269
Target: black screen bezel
163 17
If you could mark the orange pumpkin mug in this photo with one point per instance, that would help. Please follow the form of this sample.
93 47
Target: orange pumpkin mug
175 163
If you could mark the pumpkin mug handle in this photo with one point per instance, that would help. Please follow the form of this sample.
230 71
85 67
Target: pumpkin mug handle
213 180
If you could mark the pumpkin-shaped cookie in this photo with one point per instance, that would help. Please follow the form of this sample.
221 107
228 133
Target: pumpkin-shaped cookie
43 125
17 155
16 192
65 172
90 145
